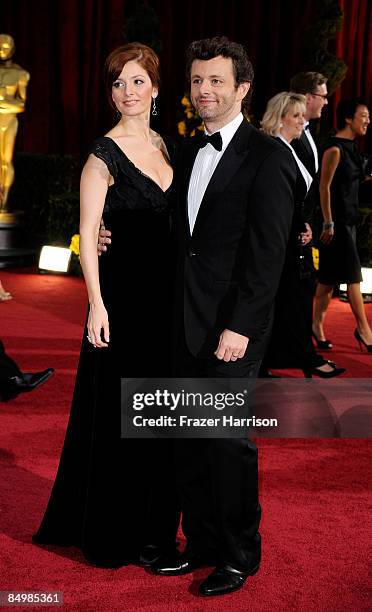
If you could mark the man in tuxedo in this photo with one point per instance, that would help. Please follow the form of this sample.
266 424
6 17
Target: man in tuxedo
313 86
235 205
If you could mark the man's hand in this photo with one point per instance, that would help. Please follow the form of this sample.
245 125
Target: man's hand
305 237
104 237
232 346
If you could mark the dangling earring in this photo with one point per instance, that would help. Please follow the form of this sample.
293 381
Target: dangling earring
154 111
117 115
280 125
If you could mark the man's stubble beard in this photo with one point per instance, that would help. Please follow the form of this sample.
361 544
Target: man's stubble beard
206 114
222 109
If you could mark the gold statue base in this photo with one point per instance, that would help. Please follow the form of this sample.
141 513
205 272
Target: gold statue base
9 229
12 250
8 218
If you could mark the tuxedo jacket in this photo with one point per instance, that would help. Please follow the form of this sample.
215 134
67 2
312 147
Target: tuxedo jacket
229 268
305 153
300 194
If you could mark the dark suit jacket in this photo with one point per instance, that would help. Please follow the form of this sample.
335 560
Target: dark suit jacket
306 155
298 220
229 269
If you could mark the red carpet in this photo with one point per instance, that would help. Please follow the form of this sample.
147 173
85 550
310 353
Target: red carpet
314 493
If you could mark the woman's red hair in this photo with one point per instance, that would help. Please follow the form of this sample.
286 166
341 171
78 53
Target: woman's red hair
142 54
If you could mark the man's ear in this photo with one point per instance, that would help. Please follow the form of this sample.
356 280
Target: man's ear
243 89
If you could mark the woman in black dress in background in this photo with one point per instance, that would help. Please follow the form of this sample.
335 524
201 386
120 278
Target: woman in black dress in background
114 497
339 196
291 344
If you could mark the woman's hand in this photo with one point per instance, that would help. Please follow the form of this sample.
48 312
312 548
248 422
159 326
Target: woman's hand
98 320
327 235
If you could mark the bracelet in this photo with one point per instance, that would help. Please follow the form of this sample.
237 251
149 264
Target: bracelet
327 226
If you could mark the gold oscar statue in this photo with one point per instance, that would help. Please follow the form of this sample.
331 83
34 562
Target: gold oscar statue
13 86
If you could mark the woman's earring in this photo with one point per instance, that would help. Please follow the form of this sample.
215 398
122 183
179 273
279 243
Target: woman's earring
280 125
117 115
154 111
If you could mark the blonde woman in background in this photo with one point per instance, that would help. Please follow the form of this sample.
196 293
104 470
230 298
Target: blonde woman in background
291 344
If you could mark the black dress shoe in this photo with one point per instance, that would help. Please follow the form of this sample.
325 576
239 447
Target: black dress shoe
225 580
178 564
152 553
264 373
23 382
310 372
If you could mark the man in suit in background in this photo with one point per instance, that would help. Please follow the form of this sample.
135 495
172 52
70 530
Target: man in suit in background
235 192
313 85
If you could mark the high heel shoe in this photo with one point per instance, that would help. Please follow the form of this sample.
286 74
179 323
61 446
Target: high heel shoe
324 345
361 342
310 372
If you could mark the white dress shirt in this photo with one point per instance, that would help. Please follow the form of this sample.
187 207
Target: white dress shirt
302 168
204 166
312 144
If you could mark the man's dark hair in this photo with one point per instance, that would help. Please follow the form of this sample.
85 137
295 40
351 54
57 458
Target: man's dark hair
346 109
208 48
307 82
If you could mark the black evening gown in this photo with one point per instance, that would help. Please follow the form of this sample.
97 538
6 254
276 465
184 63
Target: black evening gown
111 495
339 261
290 344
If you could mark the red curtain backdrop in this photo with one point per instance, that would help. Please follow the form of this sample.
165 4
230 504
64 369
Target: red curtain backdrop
354 46
63 45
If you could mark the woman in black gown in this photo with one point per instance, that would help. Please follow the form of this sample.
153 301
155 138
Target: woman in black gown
291 344
112 497
339 196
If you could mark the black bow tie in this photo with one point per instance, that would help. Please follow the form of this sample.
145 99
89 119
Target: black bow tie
215 140
307 127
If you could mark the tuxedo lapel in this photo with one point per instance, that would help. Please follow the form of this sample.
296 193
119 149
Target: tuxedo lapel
305 141
231 160
308 156
188 159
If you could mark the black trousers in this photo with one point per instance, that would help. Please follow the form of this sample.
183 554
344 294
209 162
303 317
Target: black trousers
8 367
218 479
291 344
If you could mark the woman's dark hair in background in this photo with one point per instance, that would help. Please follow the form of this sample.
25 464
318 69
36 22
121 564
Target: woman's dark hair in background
346 109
